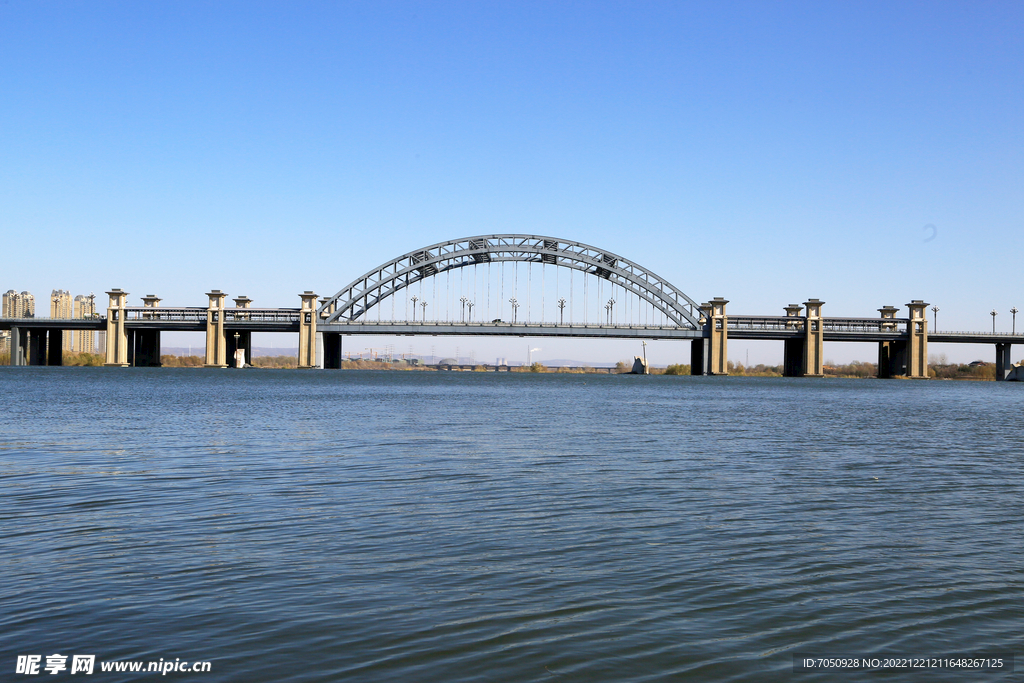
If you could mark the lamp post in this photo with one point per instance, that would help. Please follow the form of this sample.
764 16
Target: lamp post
935 318
423 305
470 304
561 311
1013 311
515 308
414 300
464 300
994 314
610 306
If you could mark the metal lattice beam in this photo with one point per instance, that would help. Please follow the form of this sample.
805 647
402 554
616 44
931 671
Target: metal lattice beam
365 292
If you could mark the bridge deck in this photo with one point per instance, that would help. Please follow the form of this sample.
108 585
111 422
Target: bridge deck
287 320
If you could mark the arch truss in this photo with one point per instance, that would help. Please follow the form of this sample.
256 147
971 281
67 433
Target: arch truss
365 292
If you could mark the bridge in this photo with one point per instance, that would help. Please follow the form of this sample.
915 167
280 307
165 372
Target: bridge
542 274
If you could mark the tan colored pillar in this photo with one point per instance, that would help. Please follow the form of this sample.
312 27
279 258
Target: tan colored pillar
117 338
793 311
307 330
329 311
216 343
150 301
814 347
917 340
719 337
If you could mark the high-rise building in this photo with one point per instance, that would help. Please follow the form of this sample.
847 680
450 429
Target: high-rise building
18 305
10 304
62 306
28 305
85 340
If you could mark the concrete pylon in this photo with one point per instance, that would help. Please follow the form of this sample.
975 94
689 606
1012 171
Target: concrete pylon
700 349
719 337
117 338
1003 363
917 340
19 346
216 343
814 344
307 330
144 345
793 348
240 339
892 355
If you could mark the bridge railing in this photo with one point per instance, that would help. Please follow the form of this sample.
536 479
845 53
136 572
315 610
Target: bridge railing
865 324
772 323
44 319
784 323
504 323
199 315
192 315
262 315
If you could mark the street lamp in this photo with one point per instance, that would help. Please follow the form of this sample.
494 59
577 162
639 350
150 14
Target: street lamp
470 304
610 306
935 318
423 305
464 300
414 300
515 308
994 314
561 311
1014 312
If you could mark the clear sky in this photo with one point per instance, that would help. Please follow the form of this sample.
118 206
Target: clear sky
765 152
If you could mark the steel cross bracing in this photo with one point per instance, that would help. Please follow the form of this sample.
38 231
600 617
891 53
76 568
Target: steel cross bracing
367 291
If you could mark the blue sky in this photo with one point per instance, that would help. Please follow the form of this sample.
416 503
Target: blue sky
764 152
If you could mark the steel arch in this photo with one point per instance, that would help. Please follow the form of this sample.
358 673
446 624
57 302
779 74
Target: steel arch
365 292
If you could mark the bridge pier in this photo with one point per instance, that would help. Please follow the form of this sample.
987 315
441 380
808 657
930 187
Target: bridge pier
793 353
699 356
307 331
117 339
1003 362
917 340
719 337
144 345
36 347
329 350
793 350
216 344
814 340
144 348
55 349
19 346
891 354
892 359
240 339
243 342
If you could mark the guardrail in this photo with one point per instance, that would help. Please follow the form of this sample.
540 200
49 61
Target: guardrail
199 315
38 319
783 323
506 323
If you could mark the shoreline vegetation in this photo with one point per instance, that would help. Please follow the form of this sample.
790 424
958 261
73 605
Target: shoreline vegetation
977 371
